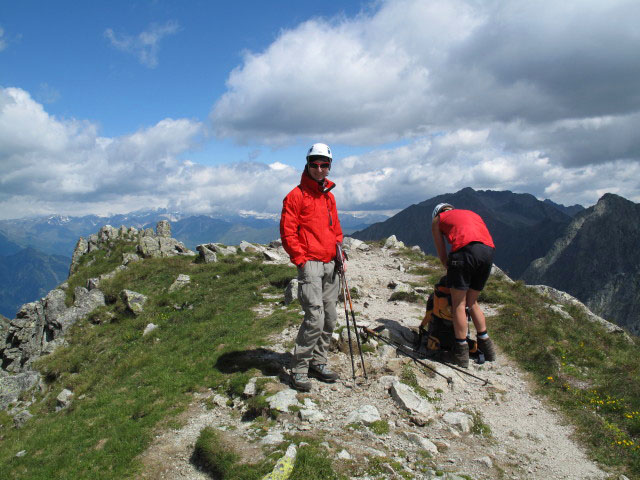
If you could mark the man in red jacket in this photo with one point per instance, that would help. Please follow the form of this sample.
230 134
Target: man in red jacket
468 267
310 230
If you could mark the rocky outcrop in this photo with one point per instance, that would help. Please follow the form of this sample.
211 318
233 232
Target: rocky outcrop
39 327
149 244
597 261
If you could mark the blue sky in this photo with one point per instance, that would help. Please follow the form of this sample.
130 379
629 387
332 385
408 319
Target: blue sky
108 107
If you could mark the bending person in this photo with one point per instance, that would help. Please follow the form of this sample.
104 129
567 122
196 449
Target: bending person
468 267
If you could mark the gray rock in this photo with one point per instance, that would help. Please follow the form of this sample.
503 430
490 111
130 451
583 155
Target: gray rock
11 386
393 242
21 418
128 258
82 247
250 247
344 455
459 420
63 400
163 229
486 461
39 326
422 442
149 328
366 414
291 292
134 301
272 438
409 400
250 388
282 400
497 272
398 286
206 254
353 244
271 256
181 282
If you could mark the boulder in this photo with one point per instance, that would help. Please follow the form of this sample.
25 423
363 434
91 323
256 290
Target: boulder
133 300
393 242
422 442
163 229
206 254
180 282
11 386
39 326
458 420
82 247
63 400
366 414
21 418
271 256
282 400
407 398
149 328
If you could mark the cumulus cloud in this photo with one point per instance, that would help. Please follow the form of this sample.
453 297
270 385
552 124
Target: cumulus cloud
559 78
54 166
146 45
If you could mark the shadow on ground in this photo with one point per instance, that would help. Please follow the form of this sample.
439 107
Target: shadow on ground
269 363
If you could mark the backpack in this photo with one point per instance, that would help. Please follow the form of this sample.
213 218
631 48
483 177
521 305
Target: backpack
436 334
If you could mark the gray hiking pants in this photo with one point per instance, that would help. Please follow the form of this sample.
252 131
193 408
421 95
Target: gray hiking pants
318 293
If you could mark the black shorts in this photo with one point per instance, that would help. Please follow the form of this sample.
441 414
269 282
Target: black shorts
470 266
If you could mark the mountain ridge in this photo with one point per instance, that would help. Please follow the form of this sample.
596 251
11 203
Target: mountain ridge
597 261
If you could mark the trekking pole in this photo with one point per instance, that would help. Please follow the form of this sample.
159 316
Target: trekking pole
404 348
407 352
353 316
346 314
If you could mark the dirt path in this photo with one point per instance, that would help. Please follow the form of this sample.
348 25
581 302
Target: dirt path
527 440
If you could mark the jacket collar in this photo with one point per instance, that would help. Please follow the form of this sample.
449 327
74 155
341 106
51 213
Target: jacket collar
313 186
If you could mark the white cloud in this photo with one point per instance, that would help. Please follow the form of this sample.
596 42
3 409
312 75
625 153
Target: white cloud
65 167
54 166
146 45
535 76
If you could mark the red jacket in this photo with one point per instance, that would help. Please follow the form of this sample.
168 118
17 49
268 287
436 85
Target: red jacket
309 225
461 227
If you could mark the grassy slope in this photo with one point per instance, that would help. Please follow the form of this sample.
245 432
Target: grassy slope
126 386
592 375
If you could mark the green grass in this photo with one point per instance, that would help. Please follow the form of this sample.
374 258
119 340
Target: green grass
379 427
592 375
410 297
128 386
216 457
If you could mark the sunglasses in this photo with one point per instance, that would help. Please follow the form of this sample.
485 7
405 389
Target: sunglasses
319 165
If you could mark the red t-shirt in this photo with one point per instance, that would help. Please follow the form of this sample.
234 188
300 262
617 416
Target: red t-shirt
461 227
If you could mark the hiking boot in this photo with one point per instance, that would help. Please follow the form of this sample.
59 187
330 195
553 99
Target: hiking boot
323 372
486 346
461 354
301 382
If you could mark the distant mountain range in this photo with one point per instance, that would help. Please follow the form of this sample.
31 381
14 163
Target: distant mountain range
35 253
523 227
58 234
28 275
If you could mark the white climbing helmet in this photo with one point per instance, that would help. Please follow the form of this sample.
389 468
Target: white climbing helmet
319 150
439 208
